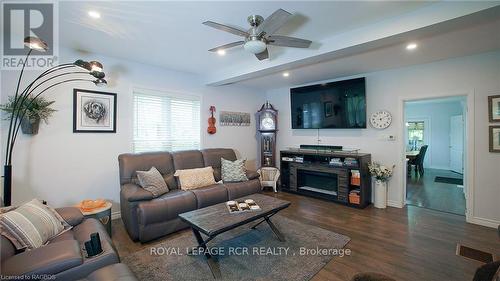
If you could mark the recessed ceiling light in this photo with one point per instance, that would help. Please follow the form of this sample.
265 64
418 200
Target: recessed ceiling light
221 52
411 46
286 74
94 14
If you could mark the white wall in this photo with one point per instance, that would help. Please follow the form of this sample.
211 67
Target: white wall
478 74
437 114
64 168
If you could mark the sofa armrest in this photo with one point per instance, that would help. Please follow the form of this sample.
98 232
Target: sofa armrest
49 259
132 192
72 215
252 175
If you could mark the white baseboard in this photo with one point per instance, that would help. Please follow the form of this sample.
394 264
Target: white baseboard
395 204
484 222
116 215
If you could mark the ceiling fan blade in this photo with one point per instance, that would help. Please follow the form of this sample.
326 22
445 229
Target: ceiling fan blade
233 30
227 46
273 22
263 55
285 41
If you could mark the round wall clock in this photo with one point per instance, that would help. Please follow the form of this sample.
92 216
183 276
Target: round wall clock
381 119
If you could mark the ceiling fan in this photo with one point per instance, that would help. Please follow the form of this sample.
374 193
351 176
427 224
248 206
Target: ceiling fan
260 34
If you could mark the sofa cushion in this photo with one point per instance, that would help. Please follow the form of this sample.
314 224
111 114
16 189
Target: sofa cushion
210 195
31 225
251 175
240 189
72 215
50 259
195 178
187 159
212 157
152 181
166 207
233 171
130 163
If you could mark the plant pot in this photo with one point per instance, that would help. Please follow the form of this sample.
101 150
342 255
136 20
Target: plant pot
30 128
380 194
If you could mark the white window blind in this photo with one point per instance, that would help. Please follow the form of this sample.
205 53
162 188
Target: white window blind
165 122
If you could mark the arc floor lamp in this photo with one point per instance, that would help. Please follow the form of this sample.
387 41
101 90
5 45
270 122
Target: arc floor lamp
57 75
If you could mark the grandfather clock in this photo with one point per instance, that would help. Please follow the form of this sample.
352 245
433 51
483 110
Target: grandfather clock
267 126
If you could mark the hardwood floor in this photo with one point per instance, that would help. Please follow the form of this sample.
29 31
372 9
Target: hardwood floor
407 244
425 192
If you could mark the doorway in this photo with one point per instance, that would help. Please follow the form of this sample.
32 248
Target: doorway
434 139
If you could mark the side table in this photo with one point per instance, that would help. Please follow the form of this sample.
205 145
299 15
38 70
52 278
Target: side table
102 214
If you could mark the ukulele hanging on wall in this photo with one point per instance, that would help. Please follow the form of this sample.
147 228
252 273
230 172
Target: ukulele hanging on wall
211 122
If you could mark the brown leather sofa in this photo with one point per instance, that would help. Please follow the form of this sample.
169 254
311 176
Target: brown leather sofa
63 258
147 218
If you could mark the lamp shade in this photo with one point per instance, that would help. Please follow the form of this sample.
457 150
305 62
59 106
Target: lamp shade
35 43
95 66
255 46
98 74
100 82
83 64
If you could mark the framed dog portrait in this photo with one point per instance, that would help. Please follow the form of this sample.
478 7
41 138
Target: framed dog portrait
494 108
94 112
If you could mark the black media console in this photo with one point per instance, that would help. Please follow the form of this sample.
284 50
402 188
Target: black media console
338 176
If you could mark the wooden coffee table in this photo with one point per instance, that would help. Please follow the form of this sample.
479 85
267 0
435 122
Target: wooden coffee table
216 219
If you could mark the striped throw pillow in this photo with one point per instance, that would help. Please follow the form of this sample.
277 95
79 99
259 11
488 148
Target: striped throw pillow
233 171
32 225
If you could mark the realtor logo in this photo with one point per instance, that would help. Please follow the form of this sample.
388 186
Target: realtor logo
24 19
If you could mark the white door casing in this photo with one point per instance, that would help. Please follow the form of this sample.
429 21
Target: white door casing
457 144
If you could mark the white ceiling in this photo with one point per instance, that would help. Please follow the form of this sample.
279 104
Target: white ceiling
349 38
467 37
170 34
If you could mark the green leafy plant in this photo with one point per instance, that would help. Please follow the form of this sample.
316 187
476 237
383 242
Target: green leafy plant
36 109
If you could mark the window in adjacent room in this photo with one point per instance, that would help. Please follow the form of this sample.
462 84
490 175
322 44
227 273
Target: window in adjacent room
415 134
165 122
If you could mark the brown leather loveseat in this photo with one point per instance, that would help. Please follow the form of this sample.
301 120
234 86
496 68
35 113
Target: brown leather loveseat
147 218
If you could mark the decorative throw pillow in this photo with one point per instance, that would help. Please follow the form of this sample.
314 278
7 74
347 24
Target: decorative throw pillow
152 181
233 171
195 178
32 224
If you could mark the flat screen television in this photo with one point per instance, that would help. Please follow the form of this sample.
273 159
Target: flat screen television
335 105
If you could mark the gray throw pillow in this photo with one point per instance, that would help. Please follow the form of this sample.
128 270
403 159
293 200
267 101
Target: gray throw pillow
152 181
233 171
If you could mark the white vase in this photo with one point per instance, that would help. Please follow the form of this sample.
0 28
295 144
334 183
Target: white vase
380 194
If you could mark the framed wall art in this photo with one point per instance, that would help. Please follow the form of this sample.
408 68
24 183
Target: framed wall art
495 139
494 108
228 118
94 111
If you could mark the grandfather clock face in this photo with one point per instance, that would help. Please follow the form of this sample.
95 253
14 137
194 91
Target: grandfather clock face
267 121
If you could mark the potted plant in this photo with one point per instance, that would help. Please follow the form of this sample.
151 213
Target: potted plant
382 174
37 109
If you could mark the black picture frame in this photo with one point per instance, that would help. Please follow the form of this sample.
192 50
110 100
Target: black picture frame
79 127
494 117
493 139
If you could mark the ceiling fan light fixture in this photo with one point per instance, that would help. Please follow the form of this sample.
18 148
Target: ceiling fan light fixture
255 46
35 43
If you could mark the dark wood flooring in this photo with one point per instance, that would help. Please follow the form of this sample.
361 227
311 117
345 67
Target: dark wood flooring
411 243
424 192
